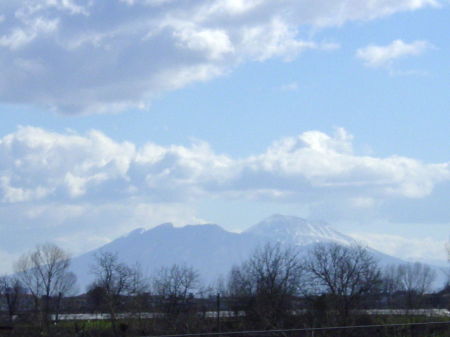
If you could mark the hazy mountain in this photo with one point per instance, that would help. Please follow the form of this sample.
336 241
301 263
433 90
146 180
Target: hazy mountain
209 248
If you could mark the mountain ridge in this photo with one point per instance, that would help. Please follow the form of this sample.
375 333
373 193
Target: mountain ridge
211 249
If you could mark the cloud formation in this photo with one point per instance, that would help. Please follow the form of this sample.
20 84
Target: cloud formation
106 56
383 56
423 249
40 165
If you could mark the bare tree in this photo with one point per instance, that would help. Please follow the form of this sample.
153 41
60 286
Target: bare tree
175 287
113 282
113 278
176 284
267 282
344 274
65 286
139 292
44 273
417 277
413 280
391 285
11 291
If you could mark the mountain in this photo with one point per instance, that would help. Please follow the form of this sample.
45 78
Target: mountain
210 249
297 231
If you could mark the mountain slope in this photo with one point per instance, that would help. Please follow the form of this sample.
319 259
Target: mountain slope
210 249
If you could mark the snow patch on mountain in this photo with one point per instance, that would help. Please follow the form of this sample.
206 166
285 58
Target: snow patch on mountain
297 231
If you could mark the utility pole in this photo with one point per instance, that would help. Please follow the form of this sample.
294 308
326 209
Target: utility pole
218 311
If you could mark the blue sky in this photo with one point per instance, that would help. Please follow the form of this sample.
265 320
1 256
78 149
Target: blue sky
131 113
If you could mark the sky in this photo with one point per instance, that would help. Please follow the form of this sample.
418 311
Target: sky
122 114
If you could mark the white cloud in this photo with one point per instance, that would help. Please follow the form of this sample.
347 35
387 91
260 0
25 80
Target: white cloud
106 56
328 163
215 43
20 37
382 56
38 165
41 165
424 249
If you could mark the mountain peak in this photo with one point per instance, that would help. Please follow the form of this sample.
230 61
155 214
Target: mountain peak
165 225
297 231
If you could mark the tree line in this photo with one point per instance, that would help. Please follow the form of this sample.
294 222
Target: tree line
275 288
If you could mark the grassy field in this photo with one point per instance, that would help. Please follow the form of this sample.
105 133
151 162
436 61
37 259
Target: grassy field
151 327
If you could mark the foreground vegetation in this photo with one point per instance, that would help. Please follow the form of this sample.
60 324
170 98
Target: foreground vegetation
298 327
